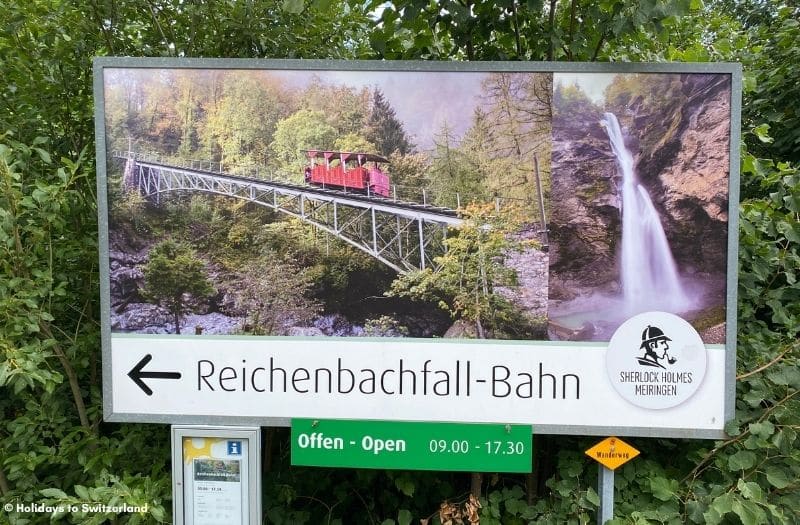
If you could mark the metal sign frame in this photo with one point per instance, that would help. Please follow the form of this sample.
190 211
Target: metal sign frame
114 372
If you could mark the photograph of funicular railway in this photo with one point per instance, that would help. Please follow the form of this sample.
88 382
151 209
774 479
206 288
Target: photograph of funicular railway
640 170
328 203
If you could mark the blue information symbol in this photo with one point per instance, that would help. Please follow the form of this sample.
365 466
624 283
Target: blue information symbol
234 448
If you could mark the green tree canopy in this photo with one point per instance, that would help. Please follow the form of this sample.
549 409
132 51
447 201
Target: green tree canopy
503 30
452 178
175 278
303 130
384 128
355 143
243 121
469 272
272 294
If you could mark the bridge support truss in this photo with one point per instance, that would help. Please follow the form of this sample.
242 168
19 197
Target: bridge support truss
404 236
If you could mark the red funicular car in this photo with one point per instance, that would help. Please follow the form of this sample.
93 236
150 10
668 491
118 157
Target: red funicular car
347 171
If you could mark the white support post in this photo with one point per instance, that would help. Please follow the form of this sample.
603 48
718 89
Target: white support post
421 245
374 233
399 239
335 217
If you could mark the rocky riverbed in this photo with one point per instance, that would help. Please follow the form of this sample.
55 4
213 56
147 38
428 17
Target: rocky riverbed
388 317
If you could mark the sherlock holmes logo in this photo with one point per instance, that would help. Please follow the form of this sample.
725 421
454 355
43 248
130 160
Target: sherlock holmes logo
655 345
656 360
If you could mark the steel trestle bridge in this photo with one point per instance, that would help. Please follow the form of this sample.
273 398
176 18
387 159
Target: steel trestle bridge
402 235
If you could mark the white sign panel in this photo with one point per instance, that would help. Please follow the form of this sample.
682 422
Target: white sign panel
547 386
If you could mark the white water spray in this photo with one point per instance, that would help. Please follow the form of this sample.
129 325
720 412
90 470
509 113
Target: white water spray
649 275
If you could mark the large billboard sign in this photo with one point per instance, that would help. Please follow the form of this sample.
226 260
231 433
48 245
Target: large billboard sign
521 243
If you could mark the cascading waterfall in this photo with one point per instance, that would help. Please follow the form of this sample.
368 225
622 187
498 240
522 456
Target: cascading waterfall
649 275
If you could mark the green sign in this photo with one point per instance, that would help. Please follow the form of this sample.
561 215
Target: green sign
411 446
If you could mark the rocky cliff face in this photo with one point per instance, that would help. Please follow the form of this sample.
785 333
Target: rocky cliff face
680 142
130 311
688 172
585 207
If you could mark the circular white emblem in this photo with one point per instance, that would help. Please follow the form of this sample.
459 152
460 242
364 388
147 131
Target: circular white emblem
656 360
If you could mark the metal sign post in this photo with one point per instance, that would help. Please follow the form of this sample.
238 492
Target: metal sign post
605 488
216 475
610 453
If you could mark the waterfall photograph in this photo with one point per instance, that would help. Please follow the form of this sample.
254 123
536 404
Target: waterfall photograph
639 201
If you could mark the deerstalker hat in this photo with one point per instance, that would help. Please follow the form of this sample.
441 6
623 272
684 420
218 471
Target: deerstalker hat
653 333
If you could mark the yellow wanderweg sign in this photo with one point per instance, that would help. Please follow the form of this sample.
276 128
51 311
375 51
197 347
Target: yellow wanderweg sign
612 452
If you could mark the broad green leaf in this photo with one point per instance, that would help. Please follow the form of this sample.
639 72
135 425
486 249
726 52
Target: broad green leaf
792 202
722 504
778 477
749 512
405 485
82 492
293 6
785 375
663 488
404 517
323 5
763 430
593 496
749 81
44 155
694 511
750 490
53 493
741 460
762 132
784 440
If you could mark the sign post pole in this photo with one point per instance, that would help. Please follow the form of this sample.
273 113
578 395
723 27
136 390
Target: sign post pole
605 488
610 453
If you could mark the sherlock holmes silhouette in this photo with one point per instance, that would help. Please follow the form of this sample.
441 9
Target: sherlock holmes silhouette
656 347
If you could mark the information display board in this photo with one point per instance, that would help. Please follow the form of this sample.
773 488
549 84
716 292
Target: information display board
216 479
545 244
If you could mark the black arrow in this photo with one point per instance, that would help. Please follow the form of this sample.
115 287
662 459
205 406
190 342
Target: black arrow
137 375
